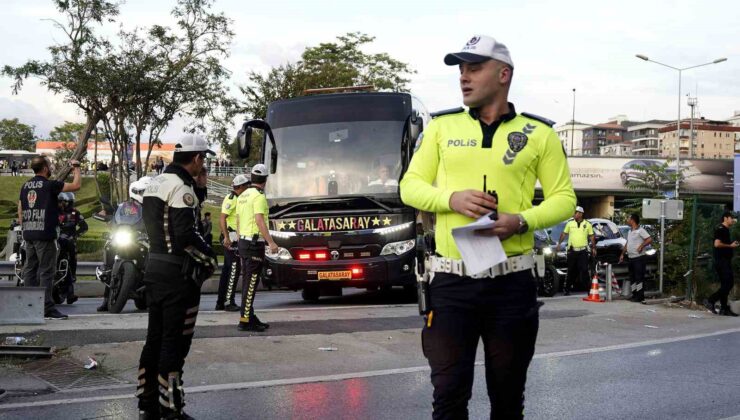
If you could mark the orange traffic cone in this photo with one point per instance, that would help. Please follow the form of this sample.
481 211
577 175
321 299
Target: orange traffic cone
593 294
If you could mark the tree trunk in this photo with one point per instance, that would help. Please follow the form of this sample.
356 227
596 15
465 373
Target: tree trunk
81 149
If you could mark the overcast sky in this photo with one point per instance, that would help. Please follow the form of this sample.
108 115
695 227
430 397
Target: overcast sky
556 46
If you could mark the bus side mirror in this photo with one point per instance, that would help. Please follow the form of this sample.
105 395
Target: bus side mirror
244 140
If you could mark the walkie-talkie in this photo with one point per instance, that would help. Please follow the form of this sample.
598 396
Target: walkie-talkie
494 194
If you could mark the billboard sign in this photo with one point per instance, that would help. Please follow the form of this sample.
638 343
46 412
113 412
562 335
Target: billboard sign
700 176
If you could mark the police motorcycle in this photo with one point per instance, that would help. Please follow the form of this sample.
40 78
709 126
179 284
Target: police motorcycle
61 276
125 253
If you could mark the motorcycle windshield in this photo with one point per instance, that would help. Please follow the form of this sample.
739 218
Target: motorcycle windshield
129 213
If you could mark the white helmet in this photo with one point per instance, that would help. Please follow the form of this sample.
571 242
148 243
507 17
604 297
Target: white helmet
260 170
239 180
137 188
193 143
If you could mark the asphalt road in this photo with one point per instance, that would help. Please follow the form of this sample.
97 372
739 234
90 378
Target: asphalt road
266 300
692 379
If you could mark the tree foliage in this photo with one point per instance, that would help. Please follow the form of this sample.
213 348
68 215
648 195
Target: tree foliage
133 86
14 135
333 64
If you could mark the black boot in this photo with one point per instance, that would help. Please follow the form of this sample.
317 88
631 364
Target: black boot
232 307
257 320
250 326
148 415
726 311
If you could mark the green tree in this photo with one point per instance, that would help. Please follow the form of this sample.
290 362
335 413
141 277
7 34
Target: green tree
333 64
14 135
78 67
68 132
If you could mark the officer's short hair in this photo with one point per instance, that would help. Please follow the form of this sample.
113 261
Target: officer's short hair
38 164
184 158
635 217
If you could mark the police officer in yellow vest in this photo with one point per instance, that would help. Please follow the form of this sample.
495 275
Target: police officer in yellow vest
252 221
579 232
457 151
230 241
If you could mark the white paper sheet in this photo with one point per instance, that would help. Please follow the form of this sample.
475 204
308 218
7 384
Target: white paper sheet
478 252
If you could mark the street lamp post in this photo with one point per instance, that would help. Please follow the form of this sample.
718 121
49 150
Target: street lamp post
678 119
573 125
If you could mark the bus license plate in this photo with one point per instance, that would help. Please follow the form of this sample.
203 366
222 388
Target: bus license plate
335 275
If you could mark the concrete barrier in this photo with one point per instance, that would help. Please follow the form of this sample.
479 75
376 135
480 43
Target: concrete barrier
21 305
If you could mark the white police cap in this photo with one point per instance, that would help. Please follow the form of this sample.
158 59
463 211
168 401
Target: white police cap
579 209
478 49
259 170
193 143
239 180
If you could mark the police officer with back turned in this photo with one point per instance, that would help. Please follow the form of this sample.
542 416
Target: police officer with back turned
488 144
254 235
179 261
38 213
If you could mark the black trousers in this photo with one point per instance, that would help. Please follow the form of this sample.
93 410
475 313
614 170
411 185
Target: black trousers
504 313
173 308
636 266
577 269
726 281
252 256
229 277
40 268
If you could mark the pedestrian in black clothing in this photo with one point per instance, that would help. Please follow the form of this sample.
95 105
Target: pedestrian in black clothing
723 248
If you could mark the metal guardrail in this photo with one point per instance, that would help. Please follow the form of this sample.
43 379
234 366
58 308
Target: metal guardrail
217 189
84 268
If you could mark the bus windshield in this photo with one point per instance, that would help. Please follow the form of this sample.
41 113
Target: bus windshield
337 158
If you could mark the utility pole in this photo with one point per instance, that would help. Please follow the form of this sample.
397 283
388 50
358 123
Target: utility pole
692 104
573 125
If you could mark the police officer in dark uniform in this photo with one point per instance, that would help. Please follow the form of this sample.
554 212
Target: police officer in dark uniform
38 213
72 225
230 240
460 150
179 261
254 236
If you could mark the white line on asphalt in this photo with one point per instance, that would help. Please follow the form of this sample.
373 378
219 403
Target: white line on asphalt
367 374
317 308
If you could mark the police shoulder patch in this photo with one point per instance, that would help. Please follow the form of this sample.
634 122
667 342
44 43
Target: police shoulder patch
538 118
447 112
188 199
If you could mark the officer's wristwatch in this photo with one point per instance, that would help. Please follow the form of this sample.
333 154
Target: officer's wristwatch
523 226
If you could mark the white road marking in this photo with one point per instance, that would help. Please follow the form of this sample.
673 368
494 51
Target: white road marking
316 308
353 375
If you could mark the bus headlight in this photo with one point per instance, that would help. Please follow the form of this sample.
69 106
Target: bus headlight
398 248
281 254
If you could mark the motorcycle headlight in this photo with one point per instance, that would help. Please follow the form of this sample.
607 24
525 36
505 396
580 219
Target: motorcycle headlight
650 252
547 251
123 238
398 248
281 254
